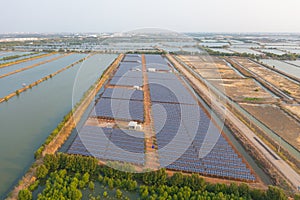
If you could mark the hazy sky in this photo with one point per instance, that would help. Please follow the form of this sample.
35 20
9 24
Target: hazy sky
126 15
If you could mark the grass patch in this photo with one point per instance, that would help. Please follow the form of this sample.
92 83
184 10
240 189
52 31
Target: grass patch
252 99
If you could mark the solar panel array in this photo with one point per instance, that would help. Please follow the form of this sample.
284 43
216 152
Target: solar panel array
110 144
170 91
126 81
129 72
120 109
203 151
132 58
161 75
123 93
157 62
187 140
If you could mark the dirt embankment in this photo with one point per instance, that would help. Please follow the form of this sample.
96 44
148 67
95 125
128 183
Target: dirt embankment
19 91
23 60
32 66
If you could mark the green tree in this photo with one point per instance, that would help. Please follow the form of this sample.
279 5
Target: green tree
105 194
86 178
91 185
25 195
41 171
110 183
119 194
297 197
275 193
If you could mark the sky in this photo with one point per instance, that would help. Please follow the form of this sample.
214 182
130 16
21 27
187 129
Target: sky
127 15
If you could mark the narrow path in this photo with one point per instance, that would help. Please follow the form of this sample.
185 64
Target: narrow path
151 161
32 66
24 60
21 90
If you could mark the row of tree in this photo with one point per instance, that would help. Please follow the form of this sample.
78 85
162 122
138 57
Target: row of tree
66 175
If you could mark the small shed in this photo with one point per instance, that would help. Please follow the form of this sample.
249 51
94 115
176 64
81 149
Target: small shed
134 126
151 70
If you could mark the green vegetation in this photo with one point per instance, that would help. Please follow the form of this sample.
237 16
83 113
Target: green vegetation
147 52
25 195
252 99
69 175
17 56
286 92
41 171
287 56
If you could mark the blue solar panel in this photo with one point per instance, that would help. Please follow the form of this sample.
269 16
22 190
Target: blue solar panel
170 91
123 93
132 74
110 144
207 152
126 81
157 62
132 58
161 75
119 109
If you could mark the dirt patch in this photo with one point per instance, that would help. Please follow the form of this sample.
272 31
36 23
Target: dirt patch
243 90
214 73
283 83
277 120
294 109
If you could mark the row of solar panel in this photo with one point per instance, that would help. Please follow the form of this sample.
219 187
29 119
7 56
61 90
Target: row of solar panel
123 93
205 163
110 144
191 157
170 91
224 174
157 62
161 75
113 157
126 81
119 109
223 168
132 58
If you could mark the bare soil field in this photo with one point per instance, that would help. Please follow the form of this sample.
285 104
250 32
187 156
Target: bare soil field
243 90
277 120
227 80
283 83
294 109
214 73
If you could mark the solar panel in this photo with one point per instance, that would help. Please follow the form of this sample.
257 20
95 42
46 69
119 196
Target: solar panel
161 75
132 74
126 81
119 109
170 91
132 58
157 62
206 152
123 93
110 144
